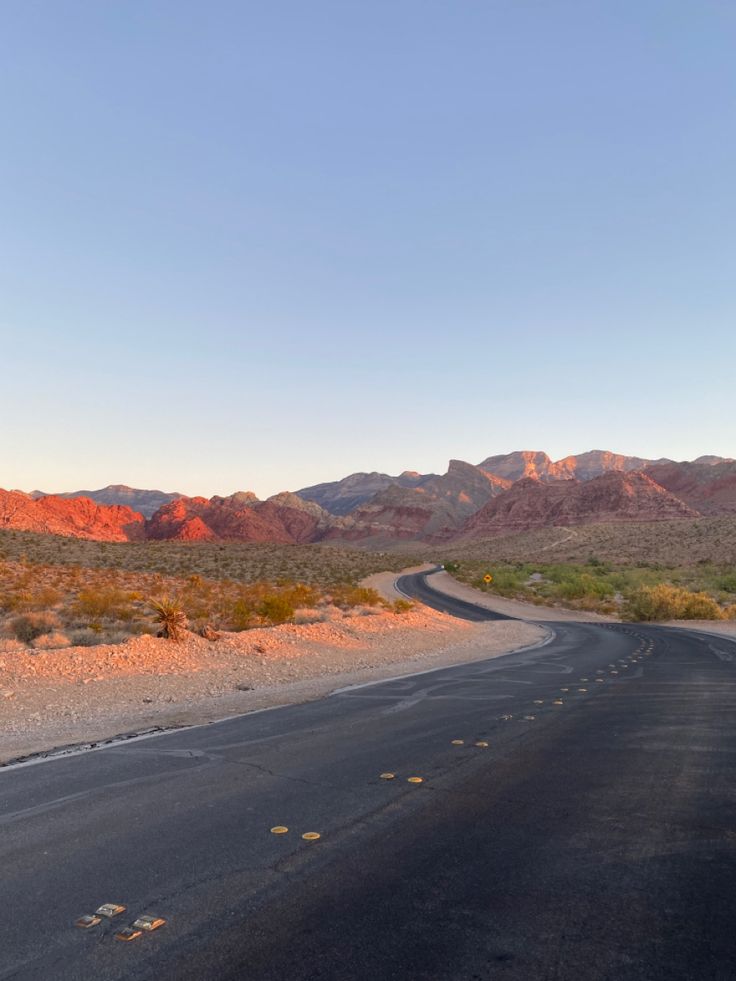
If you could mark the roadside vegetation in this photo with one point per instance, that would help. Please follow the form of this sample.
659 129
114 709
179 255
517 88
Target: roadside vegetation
321 565
705 591
669 544
57 592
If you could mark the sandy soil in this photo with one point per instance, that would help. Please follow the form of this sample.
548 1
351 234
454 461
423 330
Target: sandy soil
82 694
513 608
719 628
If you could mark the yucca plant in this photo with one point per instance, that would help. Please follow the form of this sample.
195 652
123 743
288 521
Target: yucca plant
171 618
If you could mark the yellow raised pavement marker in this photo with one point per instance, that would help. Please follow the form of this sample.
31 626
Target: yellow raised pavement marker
148 923
87 921
127 934
279 829
482 743
558 701
388 776
415 779
109 910
311 835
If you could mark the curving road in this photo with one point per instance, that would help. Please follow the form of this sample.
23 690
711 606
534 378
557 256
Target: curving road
593 839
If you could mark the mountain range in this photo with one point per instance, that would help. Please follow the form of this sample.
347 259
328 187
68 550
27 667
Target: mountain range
501 495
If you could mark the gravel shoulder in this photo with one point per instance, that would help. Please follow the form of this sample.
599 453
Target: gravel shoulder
83 694
719 628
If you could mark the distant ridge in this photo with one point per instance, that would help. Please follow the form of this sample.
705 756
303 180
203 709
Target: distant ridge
145 502
524 489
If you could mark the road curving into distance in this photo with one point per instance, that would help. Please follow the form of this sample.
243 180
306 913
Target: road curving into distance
572 820
416 587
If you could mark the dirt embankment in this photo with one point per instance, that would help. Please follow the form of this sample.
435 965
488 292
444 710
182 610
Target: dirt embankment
80 694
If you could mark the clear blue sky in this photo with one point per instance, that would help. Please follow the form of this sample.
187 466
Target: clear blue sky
256 245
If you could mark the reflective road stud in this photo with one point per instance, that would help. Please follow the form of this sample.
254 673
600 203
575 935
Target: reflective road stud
109 910
311 835
558 701
127 933
148 923
280 829
458 742
415 779
87 921
539 701
482 744
387 776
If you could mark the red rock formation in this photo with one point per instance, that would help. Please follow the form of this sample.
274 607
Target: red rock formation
708 487
77 517
437 504
240 518
583 466
612 497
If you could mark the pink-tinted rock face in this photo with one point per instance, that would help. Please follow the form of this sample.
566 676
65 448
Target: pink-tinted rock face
78 517
239 518
708 487
612 497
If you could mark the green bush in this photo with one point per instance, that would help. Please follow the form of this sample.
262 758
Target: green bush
241 614
276 608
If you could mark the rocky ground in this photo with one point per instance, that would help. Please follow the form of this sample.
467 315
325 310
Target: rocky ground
80 694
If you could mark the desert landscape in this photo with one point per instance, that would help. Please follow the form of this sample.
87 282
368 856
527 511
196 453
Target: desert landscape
124 609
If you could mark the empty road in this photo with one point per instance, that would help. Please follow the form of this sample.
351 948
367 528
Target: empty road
575 819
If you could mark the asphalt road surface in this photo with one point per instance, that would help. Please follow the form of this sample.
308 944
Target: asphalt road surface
594 837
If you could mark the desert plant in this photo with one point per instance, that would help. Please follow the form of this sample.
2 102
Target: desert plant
667 602
402 606
51 641
276 608
32 625
701 606
169 617
348 596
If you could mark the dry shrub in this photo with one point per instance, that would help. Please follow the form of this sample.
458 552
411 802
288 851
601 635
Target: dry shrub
307 616
667 602
402 606
11 646
29 626
85 638
94 604
51 641
348 596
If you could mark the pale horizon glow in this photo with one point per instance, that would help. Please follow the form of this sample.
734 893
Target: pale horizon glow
262 246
